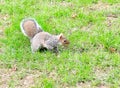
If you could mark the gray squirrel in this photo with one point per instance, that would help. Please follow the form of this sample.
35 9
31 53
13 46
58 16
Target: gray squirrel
39 38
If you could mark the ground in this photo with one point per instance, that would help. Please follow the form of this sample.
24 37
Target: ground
91 60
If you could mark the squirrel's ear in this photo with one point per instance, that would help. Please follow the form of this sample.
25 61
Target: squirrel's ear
60 36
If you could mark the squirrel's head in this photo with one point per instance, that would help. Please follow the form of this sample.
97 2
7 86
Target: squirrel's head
63 41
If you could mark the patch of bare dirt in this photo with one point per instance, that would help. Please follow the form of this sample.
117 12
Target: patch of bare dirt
100 6
89 85
6 75
53 75
102 76
2 2
27 81
4 22
103 86
103 6
62 3
83 85
110 18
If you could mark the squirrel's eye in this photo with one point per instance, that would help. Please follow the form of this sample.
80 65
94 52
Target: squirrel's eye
65 40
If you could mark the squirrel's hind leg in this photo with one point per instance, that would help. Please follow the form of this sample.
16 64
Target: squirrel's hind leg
35 48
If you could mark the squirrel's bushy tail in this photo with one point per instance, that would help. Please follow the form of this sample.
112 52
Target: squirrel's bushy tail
30 27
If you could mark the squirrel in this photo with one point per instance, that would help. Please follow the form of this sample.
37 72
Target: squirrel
40 39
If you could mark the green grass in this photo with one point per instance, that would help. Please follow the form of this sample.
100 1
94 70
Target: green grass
94 43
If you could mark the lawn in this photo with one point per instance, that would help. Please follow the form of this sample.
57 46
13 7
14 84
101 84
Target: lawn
92 59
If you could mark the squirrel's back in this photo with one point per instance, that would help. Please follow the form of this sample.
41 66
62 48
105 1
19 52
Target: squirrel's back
47 40
30 27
